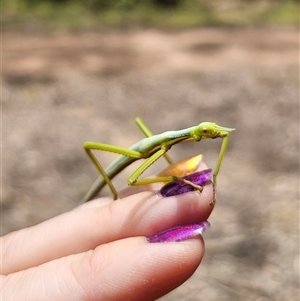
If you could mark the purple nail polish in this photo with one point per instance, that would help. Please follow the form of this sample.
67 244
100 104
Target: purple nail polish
177 187
179 233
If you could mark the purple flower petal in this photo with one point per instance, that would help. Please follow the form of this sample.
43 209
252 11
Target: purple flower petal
179 233
177 187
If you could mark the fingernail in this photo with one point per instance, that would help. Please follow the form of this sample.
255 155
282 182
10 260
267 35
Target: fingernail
177 187
180 233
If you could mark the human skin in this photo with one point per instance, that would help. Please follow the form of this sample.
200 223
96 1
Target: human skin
99 250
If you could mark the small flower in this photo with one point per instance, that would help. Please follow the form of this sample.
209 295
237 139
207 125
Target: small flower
180 233
183 168
176 187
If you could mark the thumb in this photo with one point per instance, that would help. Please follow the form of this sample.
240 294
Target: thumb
127 269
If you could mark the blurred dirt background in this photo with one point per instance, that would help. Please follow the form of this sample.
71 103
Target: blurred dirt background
60 90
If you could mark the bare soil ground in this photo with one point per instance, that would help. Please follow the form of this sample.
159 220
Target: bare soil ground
60 90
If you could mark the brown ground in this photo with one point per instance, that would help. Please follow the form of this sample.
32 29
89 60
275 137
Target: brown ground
61 90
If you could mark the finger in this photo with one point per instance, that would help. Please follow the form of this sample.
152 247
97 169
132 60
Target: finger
129 269
88 226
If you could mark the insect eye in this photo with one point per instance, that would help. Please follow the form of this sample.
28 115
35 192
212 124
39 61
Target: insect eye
205 130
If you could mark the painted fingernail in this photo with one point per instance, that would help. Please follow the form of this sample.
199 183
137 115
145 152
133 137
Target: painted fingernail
177 187
180 233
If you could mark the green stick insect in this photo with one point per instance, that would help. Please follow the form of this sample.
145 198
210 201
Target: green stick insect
151 149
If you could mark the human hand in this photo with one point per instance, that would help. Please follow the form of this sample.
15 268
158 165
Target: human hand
98 251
